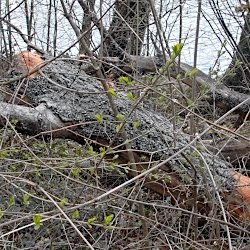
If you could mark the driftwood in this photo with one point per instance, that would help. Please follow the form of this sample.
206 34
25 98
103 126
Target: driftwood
65 104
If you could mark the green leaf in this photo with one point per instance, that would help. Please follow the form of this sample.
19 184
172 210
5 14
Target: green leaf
99 118
162 98
126 169
111 166
186 179
192 73
108 219
168 179
75 215
112 92
118 128
136 124
75 172
4 154
195 154
78 151
120 118
11 201
184 161
190 103
91 220
37 220
91 151
177 49
131 96
63 202
26 199
115 157
125 80
178 77
92 171
155 176
161 70
204 88
102 149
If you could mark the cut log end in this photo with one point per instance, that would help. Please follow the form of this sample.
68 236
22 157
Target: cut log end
239 203
26 61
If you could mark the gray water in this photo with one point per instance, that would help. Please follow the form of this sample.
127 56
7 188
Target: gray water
209 37
212 40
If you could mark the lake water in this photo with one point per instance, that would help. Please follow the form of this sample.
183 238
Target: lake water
211 34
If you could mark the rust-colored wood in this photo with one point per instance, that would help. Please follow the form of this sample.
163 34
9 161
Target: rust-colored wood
26 61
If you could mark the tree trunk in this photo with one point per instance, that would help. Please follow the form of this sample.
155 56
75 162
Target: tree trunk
86 25
67 105
238 74
128 28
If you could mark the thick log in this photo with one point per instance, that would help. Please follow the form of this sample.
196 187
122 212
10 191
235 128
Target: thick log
66 103
235 150
223 97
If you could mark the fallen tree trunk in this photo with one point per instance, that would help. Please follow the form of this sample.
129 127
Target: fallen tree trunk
217 93
234 150
67 103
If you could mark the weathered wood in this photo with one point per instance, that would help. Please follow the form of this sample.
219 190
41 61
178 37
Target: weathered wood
223 96
234 150
219 94
66 103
